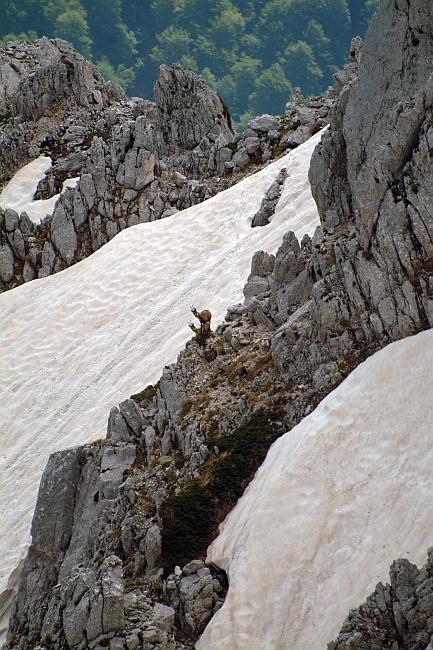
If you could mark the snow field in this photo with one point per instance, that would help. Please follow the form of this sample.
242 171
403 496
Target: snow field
78 342
337 499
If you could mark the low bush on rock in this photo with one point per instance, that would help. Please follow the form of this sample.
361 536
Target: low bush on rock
191 517
145 396
189 521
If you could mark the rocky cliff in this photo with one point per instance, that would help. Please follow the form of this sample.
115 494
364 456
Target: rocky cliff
369 266
136 161
91 574
310 315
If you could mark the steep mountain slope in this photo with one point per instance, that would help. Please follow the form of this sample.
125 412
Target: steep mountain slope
363 281
126 161
80 341
371 177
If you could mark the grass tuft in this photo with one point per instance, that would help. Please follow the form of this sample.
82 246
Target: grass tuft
145 396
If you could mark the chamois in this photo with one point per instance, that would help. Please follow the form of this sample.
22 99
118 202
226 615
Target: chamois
204 318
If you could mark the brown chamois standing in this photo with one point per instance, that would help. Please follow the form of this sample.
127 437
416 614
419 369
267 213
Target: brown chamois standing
204 318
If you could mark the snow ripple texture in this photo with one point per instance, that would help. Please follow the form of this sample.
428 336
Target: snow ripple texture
78 342
337 499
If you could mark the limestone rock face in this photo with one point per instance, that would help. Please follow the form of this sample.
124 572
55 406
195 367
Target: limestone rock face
385 110
365 278
6 264
188 111
191 594
62 588
92 573
269 203
51 63
37 81
372 173
63 234
136 161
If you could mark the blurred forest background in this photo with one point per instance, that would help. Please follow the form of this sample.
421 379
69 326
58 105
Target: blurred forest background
251 53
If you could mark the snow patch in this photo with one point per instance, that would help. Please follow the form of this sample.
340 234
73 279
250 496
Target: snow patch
337 499
19 192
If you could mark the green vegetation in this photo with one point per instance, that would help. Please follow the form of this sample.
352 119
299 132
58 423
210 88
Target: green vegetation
190 518
252 53
241 453
145 396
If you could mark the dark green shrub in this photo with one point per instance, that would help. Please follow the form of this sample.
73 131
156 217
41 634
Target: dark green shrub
145 396
191 518
245 449
188 521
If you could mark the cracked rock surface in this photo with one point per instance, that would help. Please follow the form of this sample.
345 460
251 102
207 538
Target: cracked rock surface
395 616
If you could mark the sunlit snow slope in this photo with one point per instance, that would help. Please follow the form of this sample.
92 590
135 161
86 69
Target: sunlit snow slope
337 499
76 343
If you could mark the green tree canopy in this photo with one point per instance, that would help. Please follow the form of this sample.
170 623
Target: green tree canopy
69 21
251 52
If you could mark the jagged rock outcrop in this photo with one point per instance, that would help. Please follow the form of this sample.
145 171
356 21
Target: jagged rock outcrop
364 279
189 112
270 201
41 86
136 161
118 557
92 572
378 151
61 579
395 616
196 595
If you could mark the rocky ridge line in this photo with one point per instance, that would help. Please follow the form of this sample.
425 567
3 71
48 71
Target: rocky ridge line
395 616
137 161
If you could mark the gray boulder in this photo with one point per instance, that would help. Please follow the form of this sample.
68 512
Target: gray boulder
270 201
28 272
153 546
132 415
195 592
115 460
48 255
112 590
17 243
163 617
63 234
264 123
117 428
11 220
6 263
